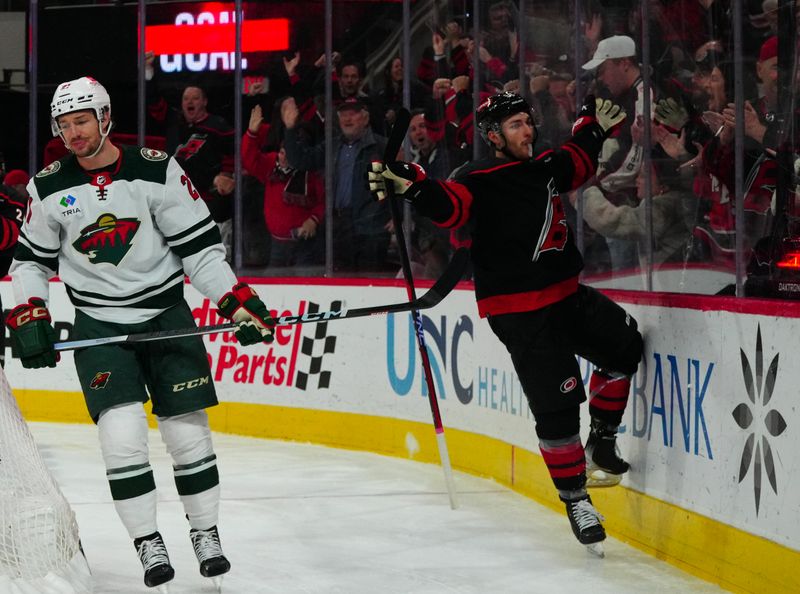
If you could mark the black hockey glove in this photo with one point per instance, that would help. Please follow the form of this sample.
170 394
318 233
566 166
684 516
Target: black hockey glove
244 306
606 113
32 334
400 175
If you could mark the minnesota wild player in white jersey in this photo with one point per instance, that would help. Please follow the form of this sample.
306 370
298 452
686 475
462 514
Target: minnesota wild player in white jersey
121 226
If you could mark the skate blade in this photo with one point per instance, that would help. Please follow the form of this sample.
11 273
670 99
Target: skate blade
163 588
596 548
596 478
217 580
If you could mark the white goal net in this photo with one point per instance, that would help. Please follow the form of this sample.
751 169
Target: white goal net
40 551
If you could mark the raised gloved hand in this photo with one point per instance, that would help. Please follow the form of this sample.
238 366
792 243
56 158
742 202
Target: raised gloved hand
243 305
32 334
671 114
603 111
400 176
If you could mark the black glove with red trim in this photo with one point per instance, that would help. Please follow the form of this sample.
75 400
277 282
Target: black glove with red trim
244 306
399 175
606 113
32 334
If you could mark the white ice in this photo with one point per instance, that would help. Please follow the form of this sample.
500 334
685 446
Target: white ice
300 518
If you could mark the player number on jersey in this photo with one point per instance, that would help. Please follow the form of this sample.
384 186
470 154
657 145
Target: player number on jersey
185 181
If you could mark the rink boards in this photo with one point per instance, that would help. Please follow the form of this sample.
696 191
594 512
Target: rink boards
711 429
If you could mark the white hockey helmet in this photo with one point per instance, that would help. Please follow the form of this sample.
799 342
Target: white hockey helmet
78 94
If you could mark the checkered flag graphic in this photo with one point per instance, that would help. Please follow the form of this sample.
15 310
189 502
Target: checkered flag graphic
316 348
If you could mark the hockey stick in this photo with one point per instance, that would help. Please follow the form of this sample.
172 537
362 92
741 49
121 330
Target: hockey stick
433 296
396 137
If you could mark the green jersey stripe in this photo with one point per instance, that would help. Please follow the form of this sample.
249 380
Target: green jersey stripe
190 230
24 254
198 244
164 300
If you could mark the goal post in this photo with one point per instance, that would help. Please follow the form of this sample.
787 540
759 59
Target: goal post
40 551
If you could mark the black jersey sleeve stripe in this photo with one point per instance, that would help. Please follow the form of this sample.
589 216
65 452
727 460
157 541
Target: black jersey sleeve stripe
24 254
190 230
197 244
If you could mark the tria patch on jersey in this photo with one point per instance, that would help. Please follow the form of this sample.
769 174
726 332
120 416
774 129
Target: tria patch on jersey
50 169
108 239
153 154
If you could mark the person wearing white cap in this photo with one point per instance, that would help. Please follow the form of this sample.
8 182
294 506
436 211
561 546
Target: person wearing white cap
617 70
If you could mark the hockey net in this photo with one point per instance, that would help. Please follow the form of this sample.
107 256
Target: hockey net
40 551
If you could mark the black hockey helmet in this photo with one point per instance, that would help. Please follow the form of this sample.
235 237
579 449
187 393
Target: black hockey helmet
491 113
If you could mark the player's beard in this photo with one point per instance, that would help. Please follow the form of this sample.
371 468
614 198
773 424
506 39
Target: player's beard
88 147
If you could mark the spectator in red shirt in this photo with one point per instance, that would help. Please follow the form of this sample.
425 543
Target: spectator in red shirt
294 203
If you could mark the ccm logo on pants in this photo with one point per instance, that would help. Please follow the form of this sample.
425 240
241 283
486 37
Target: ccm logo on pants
199 381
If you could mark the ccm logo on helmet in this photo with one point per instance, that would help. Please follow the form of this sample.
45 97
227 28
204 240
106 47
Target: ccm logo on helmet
568 385
198 381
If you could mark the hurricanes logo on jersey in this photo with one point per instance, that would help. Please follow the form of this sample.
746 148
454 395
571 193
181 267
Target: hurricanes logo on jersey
108 239
100 380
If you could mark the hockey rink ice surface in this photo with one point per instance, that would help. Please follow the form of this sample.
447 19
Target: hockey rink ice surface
300 518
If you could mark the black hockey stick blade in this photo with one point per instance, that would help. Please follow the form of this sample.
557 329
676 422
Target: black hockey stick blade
402 119
441 288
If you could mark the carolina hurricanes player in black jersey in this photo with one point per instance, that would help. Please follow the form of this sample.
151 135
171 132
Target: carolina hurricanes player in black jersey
526 269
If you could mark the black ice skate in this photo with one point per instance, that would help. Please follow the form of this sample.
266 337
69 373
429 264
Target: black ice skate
585 521
209 553
604 466
155 561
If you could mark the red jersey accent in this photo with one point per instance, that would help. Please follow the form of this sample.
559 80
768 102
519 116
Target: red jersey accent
527 301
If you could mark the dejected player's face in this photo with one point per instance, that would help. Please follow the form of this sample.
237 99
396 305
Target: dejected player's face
80 131
520 134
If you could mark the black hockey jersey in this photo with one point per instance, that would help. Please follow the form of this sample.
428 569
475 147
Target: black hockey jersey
523 253
12 213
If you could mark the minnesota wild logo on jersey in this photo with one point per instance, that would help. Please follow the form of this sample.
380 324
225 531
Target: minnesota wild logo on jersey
108 239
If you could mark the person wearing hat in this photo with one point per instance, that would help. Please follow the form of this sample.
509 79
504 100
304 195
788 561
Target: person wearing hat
617 72
361 226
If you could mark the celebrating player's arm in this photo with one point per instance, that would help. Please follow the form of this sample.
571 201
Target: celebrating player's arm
448 203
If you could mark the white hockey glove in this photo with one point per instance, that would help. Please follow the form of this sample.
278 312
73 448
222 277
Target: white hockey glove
671 114
399 176
244 306
606 113
609 115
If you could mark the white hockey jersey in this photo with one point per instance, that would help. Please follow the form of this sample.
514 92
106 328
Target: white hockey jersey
120 239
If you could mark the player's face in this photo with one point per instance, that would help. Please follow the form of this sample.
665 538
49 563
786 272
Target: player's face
80 131
519 133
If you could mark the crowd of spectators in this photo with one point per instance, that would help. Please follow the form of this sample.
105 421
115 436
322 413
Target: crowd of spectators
688 195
